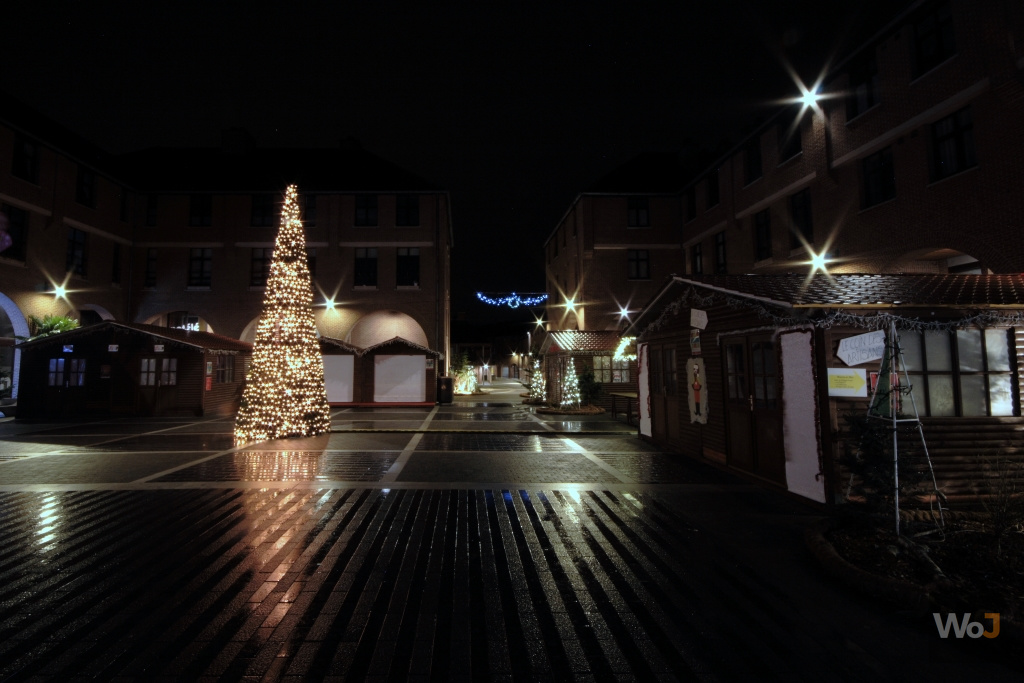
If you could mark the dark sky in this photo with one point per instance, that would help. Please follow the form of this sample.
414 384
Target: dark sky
514 107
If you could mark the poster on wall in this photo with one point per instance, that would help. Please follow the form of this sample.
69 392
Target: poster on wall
696 390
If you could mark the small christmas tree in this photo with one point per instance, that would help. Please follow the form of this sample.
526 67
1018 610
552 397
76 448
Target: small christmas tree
284 392
538 392
570 386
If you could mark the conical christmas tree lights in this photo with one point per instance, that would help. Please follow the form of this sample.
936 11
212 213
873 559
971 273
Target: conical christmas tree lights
284 391
538 392
571 386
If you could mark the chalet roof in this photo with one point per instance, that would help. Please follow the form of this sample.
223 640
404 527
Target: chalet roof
580 342
199 341
329 342
345 346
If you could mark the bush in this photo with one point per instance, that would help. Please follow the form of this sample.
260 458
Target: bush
590 388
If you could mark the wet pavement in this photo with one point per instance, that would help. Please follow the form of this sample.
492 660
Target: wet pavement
477 541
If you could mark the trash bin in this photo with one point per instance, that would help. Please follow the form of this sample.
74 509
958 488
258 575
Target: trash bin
445 390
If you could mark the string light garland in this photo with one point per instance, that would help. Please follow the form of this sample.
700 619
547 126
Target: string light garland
513 300
284 391
626 349
570 386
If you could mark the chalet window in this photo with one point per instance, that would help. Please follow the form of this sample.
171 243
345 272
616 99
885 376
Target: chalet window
147 372
366 210
115 265
85 187
609 370
953 145
407 210
863 78
408 267
964 373
752 166
149 279
225 369
259 266
366 267
200 267
696 259
17 229
763 235
151 210
933 38
264 212
879 178
669 382
639 264
713 191
168 372
25 161
55 375
200 210
638 213
309 214
75 261
720 264
802 227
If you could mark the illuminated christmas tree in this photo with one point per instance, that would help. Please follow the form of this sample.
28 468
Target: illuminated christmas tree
538 392
284 391
570 386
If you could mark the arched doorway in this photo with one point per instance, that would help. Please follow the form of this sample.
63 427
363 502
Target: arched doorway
12 325
381 326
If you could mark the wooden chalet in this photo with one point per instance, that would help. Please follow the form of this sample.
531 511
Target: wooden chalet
751 371
587 350
393 372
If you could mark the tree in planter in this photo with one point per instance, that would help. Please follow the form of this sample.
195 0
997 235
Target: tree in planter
462 371
570 386
50 324
590 388
868 459
538 390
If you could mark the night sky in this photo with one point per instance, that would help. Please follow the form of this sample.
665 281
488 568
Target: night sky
515 108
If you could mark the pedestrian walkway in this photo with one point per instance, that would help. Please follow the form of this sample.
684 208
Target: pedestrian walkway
156 550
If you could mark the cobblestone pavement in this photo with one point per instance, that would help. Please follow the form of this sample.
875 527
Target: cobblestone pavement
155 550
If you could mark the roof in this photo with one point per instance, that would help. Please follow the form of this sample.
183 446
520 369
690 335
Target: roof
580 342
331 342
345 346
200 341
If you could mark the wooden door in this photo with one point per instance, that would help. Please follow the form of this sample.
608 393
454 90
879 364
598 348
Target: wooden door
663 373
65 386
754 407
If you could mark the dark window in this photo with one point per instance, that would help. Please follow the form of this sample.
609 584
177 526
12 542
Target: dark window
115 265
408 266
309 215
407 209
802 228
953 145
259 266
150 275
964 373
879 178
790 143
264 210
76 261
638 212
366 210
25 161
752 161
864 92
147 372
200 267
762 235
639 264
311 260
123 215
66 372
200 210
720 267
85 187
17 228
225 369
933 38
366 267
55 373
713 191
691 202
168 372
151 206
696 260
669 378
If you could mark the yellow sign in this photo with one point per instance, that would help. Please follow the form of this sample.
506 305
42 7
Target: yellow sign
848 382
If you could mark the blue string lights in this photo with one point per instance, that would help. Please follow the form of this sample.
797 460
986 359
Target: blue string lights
513 300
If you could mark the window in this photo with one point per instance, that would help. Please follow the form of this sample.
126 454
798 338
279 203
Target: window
720 253
763 235
879 178
75 372
863 77
259 266
309 214
637 212
713 191
953 145
85 187
25 161
149 279
690 199
17 228
639 264
311 260
200 266
55 375
168 372
408 266
933 38
696 260
366 209
200 211
75 261
147 372
608 370
115 265
790 143
366 267
264 212
669 378
407 209
752 161
151 206
224 369
965 373
802 227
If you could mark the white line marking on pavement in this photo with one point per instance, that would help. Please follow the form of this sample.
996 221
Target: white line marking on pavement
599 462
396 467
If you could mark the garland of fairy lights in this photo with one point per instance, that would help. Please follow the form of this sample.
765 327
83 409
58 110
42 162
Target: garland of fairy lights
876 321
624 345
513 300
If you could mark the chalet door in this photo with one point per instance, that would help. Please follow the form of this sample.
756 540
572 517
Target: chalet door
158 385
664 396
754 407
65 386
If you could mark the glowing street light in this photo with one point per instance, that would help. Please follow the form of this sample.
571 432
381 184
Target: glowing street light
59 292
570 305
623 312
329 303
